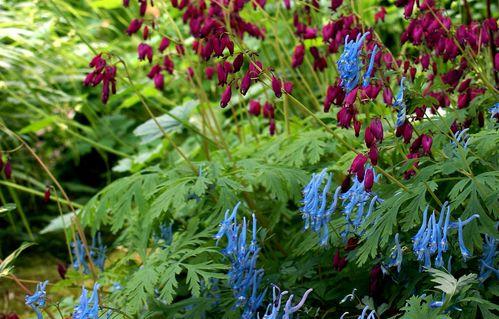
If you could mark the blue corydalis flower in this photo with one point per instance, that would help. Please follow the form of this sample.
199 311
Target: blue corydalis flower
489 255
165 234
244 277
367 75
461 140
431 239
399 104
349 64
98 251
274 308
494 112
315 210
396 256
79 255
37 299
355 201
88 308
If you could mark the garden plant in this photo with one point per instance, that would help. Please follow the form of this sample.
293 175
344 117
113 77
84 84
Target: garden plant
249 159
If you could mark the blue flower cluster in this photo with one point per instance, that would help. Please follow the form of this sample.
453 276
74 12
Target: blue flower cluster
349 64
354 202
88 308
431 238
489 256
244 277
396 256
274 308
371 315
97 253
462 138
165 235
37 299
400 105
316 212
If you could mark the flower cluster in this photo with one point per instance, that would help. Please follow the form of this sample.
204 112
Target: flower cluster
488 258
88 308
255 108
431 239
315 209
349 64
37 299
356 199
102 73
371 315
97 253
244 277
274 308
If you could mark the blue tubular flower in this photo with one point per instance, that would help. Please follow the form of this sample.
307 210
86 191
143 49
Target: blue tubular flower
464 251
98 251
399 104
273 309
79 255
431 238
88 308
354 202
165 234
438 303
461 139
315 210
494 112
396 256
349 64
488 257
367 75
244 277
37 299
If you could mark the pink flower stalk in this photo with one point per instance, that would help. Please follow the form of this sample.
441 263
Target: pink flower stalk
164 44
254 107
134 26
226 95
145 51
277 86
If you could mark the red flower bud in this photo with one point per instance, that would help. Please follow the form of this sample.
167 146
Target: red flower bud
369 180
277 87
165 43
145 33
254 107
8 169
238 62
245 83
352 243
268 110
387 96
272 126
209 71
159 81
426 143
134 26
226 95
358 163
46 195
373 154
288 87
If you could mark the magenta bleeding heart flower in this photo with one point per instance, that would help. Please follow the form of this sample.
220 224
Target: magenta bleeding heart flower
226 95
102 73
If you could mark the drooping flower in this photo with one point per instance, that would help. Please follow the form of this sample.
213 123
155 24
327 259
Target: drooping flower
254 107
165 43
431 239
273 309
487 267
244 277
79 255
396 256
98 251
349 64
494 111
145 51
134 26
38 299
367 75
315 210
226 95
461 140
399 104
277 86
88 308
